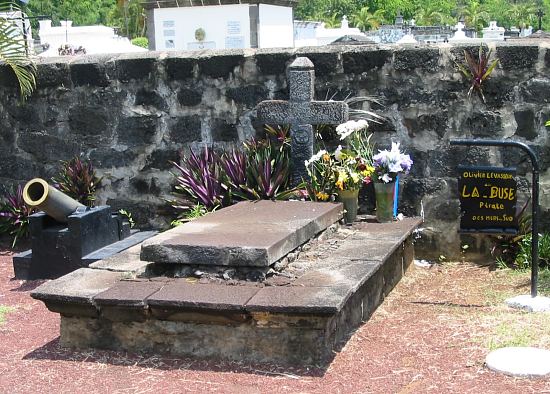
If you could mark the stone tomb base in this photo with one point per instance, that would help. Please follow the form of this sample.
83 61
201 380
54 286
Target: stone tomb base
302 320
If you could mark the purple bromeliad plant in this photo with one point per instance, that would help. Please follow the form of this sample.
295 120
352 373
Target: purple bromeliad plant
260 171
14 214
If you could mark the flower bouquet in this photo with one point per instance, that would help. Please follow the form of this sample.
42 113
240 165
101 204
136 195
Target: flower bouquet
387 167
344 171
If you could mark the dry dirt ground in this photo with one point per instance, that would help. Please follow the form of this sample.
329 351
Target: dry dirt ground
430 335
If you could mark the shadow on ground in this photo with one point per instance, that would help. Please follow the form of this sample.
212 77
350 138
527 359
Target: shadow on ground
53 351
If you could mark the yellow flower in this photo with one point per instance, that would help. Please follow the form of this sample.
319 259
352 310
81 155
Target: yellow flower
322 196
326 157
340 184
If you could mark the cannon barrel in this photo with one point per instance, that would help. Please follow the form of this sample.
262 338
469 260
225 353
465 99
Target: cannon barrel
38 193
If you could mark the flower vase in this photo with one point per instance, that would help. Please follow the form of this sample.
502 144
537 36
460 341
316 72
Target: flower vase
350 199
384 201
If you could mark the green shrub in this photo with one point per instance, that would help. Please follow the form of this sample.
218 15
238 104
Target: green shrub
523 258
141 42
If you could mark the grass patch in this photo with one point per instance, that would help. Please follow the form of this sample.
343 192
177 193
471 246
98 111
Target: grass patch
4 310
517 329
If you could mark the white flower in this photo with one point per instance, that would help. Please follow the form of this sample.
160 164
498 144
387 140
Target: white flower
315 157
338 153
351 126
395 167
386 178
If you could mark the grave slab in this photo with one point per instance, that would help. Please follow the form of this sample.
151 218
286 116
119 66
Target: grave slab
246 234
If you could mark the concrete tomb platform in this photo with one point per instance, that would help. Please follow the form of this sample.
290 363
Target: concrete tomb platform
335 285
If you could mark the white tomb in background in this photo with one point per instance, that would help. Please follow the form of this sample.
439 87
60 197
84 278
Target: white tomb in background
316 33
220 24
94 39
493 32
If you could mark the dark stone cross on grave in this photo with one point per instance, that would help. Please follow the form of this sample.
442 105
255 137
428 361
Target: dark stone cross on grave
301 112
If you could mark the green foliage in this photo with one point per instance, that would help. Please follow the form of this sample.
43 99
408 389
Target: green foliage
130 17
477 13
477 70
78 180
13 52
128 216
195 212
3 311
81 12
14 214
523 258
141 42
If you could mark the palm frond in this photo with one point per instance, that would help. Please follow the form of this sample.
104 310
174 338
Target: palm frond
14 55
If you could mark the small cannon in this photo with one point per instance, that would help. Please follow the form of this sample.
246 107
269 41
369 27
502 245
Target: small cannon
68 235
37 193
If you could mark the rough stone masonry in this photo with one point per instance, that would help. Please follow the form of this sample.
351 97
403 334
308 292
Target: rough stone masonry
130 114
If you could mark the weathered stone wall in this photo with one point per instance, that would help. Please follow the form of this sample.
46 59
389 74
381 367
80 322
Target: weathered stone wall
131 114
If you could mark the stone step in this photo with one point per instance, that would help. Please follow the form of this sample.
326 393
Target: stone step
246 234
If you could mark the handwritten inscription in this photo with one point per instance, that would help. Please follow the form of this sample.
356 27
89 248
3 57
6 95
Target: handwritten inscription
487 199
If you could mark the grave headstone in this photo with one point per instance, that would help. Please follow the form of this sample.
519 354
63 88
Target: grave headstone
302 112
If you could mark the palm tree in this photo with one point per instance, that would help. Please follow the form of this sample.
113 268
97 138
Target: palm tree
364 19
522 14
475 15
13 53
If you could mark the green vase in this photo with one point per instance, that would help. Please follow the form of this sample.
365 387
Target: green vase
350 199
384 201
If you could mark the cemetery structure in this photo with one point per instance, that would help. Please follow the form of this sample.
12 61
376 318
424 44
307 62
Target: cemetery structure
261 281
267 281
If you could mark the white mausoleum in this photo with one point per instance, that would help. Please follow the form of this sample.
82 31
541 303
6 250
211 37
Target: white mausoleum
219 24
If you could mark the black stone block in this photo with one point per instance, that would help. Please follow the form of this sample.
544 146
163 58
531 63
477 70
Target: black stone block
484 124
428 122
35 143
224 131
186 129
547 58
137 68
145 186
360 62
517 57
525 120
160 159
249 95
536 91
112 158
58 249
150 98
53 75
7 77
219 66
178 69
89 120
325 63
411 59
16 167
137 130
497 90
273 64
92 74
189 97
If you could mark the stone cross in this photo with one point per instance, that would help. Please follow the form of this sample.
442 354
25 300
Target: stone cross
301 112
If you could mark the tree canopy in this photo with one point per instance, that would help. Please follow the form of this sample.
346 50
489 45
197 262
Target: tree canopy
369 14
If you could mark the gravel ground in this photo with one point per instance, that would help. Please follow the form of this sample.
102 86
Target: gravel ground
430 335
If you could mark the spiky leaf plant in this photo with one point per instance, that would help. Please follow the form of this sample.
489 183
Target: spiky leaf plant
78 180
14 214
199 177
13 52
477 70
